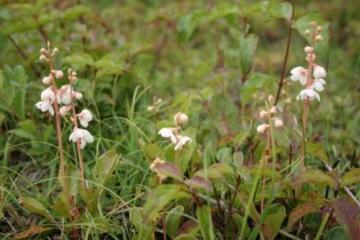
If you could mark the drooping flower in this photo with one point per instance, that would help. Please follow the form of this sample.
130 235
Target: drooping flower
46 80
82 136
262 128
181 141
299 74
45 106
168 133
308 94
181 118
319 72
65 94
58 74
318 84
48 95
85 117
278 123
64 110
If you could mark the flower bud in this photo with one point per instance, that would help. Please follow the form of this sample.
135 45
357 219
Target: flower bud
273 110
59 74
313 23
278 123
64 110
46 80
319 29
307 32
151 108
270 99
181 118
55 51
318 38
78 95
263 114
262 128
43 58
309 49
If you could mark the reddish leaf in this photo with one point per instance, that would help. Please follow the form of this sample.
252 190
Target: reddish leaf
347 213
300 211
198 182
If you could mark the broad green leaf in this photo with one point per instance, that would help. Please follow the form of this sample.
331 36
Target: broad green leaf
300 211
317 150
351 177
34 206
144 231
105 166
280 9
215 171
203 215
316 176
247 48
159 198
337 233
265 171
110 64
274 216
173 219
80 60
257 82
151 150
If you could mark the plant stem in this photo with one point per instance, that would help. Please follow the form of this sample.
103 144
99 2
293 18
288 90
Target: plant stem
304 125
322 226
283 70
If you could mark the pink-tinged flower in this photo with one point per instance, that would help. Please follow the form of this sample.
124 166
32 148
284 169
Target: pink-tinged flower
299 74
278 123
181 142
77 95
181 118
319 72
48 95
65 94
64 110
81 135
85 117
168 133
58 74
318 84
46 80
308 94
45 106
262 128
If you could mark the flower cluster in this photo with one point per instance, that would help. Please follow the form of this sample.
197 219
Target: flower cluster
269 117
312 77
52 97
173 135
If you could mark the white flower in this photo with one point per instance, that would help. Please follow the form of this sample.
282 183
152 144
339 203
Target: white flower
264 114
58 74
273 110
308 49
85 117
262 128
82 136
319 72
64 110
181 118
46 80
299 74
77 95
308 94
48 95
65 94
318 84
278 122
168 133
181 141
45 106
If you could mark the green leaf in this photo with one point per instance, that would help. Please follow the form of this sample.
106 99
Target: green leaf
274 216
105 166
215 171
300 211
173 218
34 206
159 198
144 231
351 177
337 233
247 46
279 9
203 215
257 82
79 60
110 64
316 176
317 150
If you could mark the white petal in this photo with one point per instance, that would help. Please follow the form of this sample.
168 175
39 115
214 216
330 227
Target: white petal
82 143
319 72
299 74
166 132
48 95
308 94
88 137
